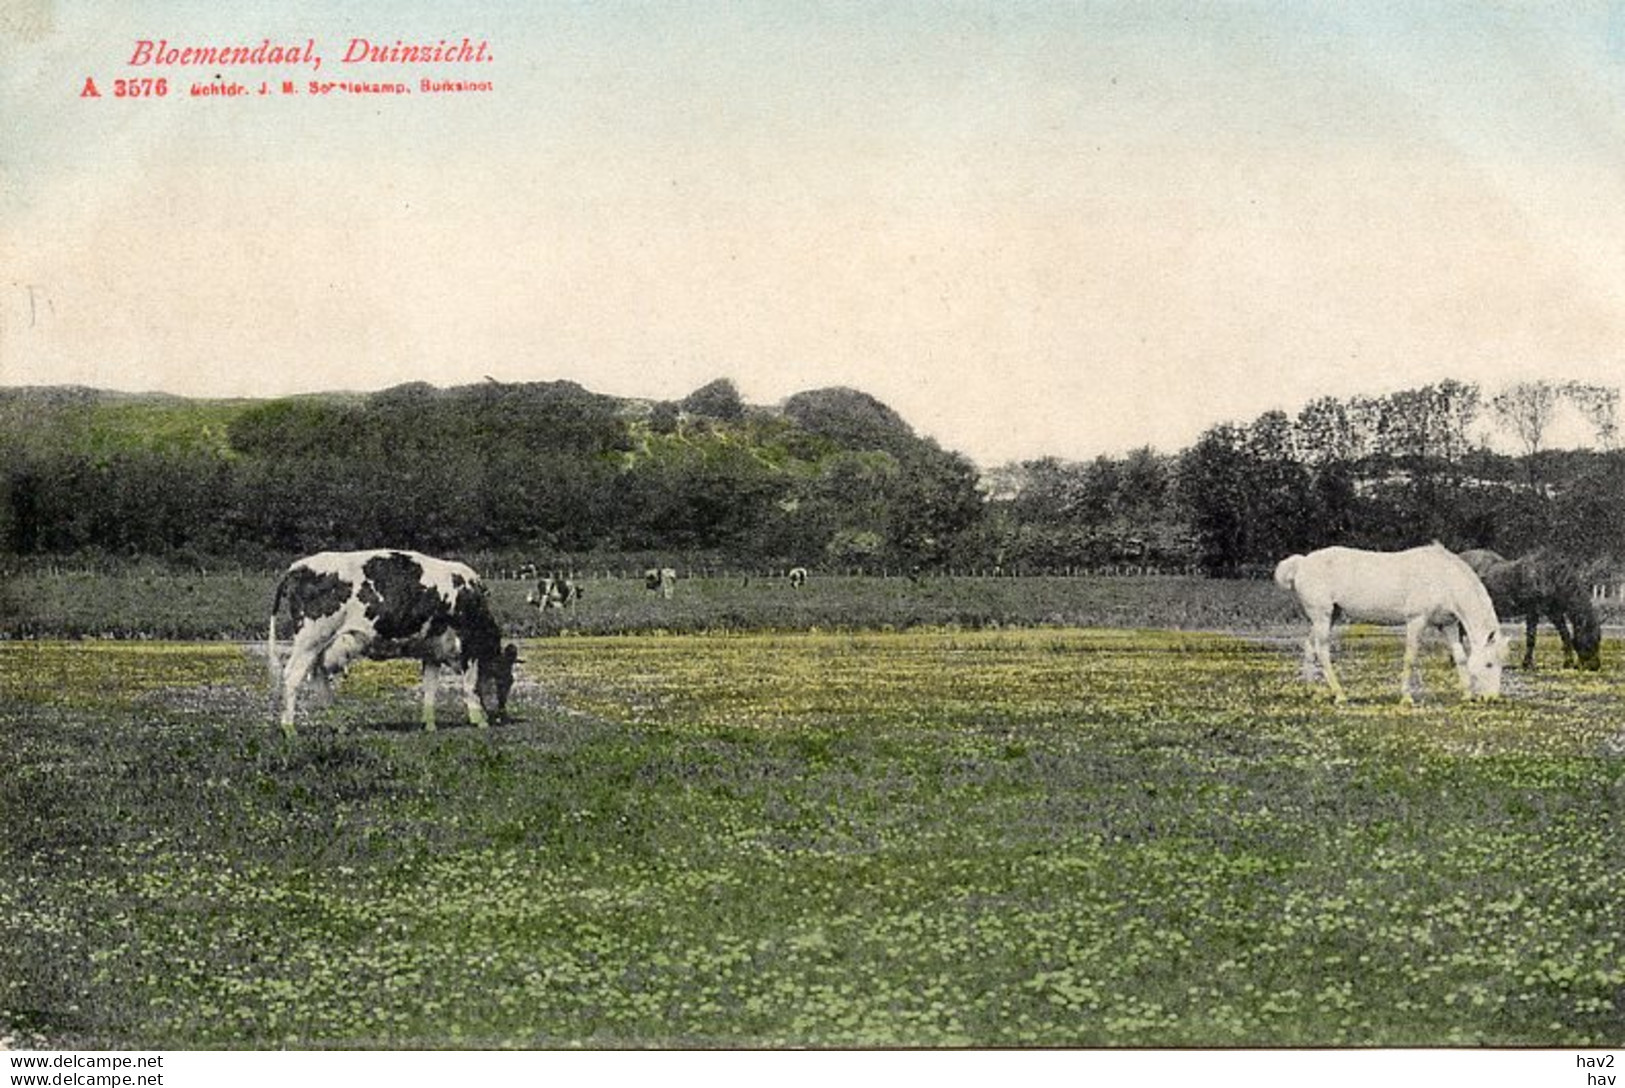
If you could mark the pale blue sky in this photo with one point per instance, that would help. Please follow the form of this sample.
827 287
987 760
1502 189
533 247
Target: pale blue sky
1031 228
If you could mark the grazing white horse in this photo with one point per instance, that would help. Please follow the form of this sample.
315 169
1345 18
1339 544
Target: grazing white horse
1420 587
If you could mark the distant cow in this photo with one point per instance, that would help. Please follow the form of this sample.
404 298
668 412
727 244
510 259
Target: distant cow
552 591
798 576
662 578
391 604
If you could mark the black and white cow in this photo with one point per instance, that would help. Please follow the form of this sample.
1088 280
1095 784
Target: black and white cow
390 604
552 591
663 579
798 577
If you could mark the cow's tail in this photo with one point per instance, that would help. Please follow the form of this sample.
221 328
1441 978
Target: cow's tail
1286 571
272 663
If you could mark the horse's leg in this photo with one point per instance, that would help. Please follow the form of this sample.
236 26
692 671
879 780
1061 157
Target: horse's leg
1320 640
1413 641
1530 623
1458 654
1307 668
1561 622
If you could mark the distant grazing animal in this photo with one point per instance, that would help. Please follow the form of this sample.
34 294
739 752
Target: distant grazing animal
391 604
552 591
1420 587
1542 584
663 579
798 577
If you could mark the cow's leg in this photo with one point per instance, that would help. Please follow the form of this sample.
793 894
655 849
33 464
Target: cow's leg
323 669
348 646
1320 639
431 688
304 658
471 696
318 686
1530 623
293 675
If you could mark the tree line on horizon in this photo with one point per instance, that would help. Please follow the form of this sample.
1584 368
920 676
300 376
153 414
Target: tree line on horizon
548 472
545 472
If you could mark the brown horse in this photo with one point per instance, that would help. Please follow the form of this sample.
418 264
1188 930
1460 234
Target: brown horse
1542 584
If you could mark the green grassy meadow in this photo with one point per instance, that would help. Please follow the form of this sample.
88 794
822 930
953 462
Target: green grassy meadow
156 604
1039 836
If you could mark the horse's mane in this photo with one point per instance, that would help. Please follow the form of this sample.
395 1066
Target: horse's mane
1565 584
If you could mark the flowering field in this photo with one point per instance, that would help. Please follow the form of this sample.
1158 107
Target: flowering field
939 838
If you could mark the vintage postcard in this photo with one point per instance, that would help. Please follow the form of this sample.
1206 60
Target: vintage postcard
952 528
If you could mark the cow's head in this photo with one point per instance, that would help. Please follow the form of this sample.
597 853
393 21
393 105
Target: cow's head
496 681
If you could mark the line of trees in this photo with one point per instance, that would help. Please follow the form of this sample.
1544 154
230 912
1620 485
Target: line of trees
555 474
542 471
1404 468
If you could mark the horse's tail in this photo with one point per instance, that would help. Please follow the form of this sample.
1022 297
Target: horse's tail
1286 571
